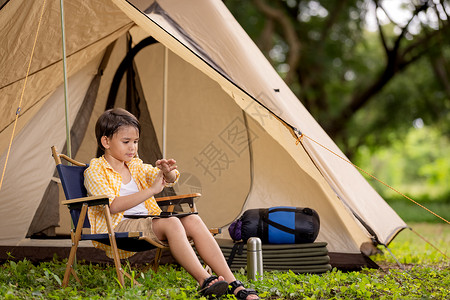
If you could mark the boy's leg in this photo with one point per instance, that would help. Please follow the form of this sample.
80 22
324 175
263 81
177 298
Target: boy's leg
177 231
209 250
172 230
206 245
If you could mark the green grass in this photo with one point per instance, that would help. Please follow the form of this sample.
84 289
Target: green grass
410 247
426 276
411 212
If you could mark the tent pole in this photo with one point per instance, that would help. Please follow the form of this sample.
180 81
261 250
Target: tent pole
66 101
395 258
166 78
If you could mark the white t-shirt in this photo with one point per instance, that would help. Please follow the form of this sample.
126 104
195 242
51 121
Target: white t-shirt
128 189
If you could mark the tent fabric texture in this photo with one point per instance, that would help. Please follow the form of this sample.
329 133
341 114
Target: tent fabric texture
205 95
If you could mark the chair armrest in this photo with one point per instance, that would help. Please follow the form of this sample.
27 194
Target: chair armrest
91 201
215 231
57 157
178 199
171 201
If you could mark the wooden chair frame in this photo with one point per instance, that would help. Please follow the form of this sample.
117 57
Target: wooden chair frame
103 201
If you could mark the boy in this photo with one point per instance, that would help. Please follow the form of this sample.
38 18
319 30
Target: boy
131 186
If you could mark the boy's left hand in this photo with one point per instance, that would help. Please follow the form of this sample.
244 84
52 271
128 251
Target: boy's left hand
166 165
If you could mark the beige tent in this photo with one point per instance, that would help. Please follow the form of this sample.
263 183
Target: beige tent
206 96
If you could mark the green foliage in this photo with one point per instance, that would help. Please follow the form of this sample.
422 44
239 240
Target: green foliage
411 212
420 161
412 95
372 83
427 276
416 166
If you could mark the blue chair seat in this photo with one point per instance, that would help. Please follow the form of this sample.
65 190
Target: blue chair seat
123 240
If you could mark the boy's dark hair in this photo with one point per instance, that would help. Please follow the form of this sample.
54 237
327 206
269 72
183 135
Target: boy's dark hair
110 122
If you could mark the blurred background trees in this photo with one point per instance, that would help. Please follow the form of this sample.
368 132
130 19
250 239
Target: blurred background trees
374 73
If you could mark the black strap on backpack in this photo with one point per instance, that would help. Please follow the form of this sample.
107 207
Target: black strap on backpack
265 217
237 248
280 227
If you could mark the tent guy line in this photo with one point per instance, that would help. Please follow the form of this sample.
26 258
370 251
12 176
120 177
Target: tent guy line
300 139
21 96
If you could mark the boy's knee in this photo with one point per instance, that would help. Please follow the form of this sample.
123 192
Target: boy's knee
193 219
174 226
170 224
173 221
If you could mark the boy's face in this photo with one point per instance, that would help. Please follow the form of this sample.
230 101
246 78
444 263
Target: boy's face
123 145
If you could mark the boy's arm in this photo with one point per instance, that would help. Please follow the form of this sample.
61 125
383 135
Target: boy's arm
122 203
171 178
96 184
169 168
151 173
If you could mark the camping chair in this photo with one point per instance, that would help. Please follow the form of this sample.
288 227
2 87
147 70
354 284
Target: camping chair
72 180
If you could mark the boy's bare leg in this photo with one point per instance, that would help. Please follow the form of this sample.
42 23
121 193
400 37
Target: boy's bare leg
172 230
207 246
176 231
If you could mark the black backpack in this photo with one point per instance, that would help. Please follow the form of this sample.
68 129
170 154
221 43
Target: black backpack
277 225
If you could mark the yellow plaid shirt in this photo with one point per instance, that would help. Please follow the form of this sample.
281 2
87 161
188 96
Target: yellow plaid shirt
101 179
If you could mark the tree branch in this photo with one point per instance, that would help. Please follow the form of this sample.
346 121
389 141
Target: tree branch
444 9
424 41
405 28
380 30
358 101
334 14
396 62
289 33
